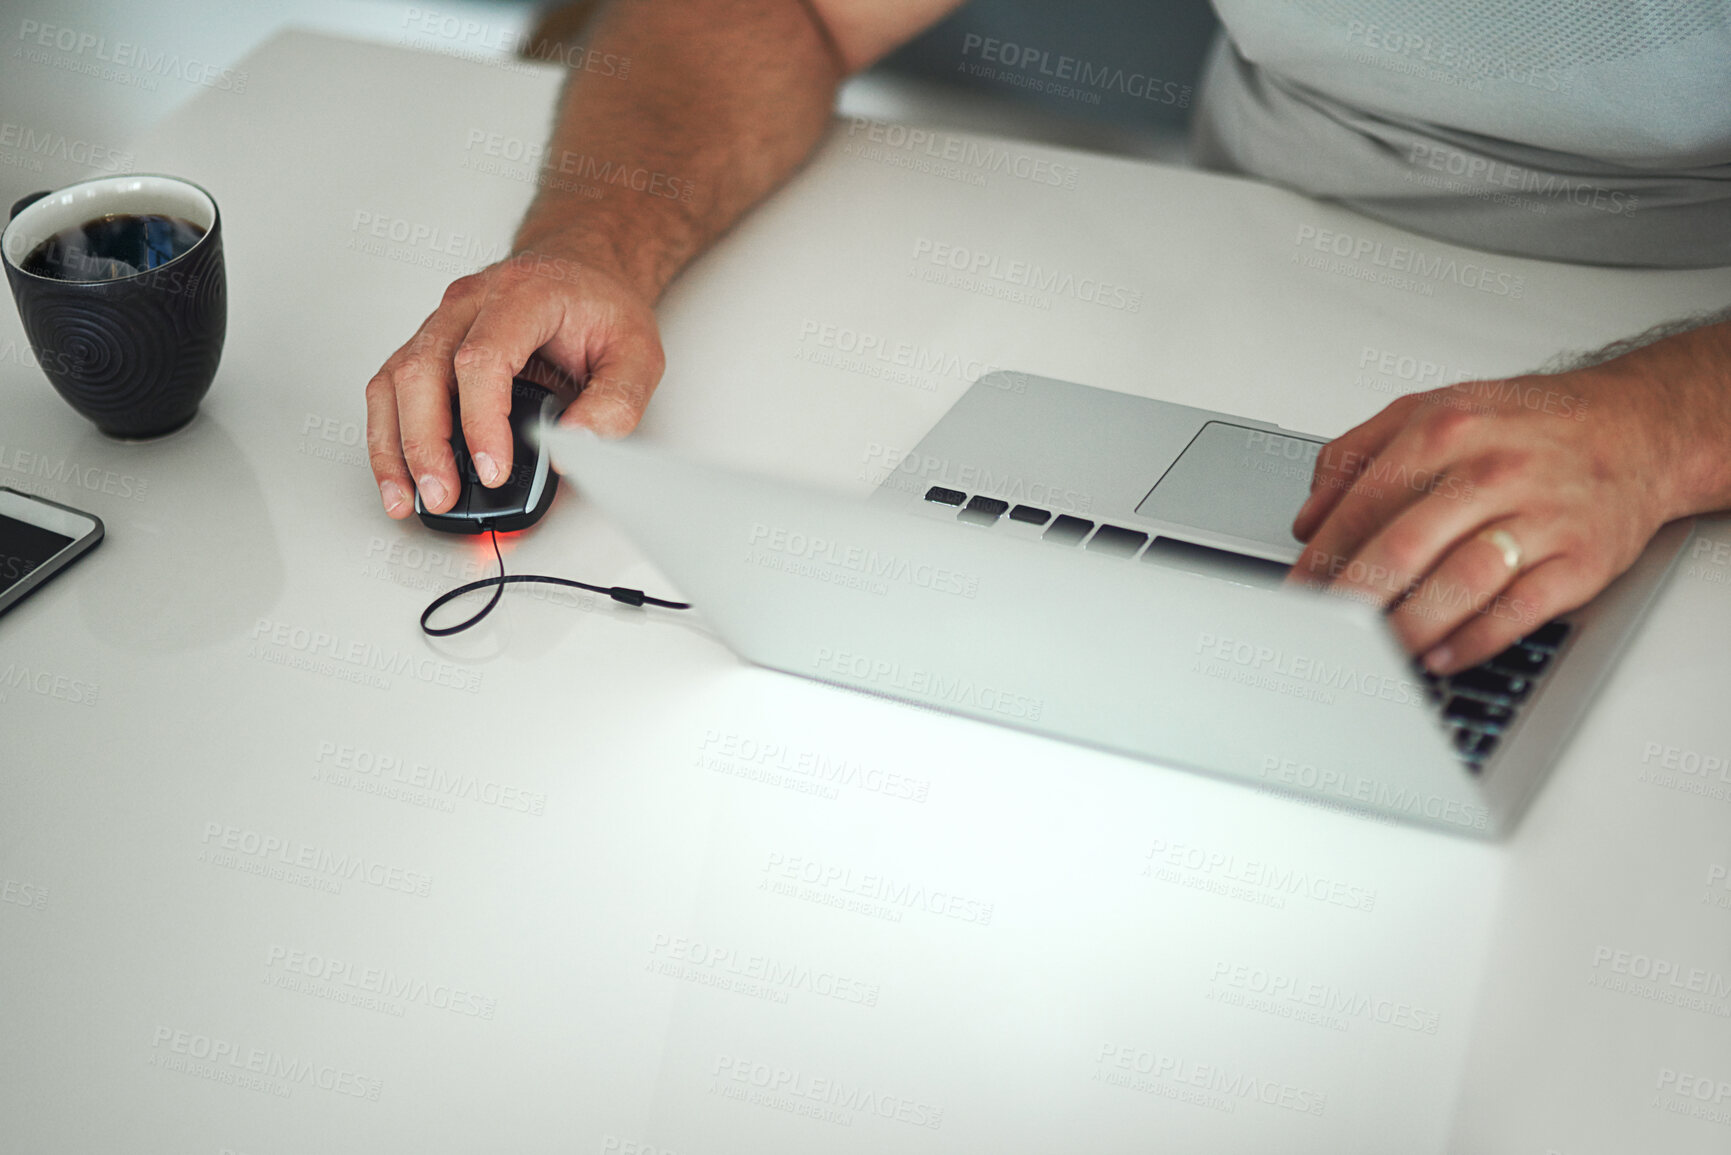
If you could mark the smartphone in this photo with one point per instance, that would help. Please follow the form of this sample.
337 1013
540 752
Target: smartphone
38 539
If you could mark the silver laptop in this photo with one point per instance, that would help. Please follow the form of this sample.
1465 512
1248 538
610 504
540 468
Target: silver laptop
1106 569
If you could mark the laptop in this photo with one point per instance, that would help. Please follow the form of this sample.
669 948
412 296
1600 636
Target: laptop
1106 569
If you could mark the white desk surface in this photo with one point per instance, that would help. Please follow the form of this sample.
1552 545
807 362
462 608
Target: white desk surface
282 876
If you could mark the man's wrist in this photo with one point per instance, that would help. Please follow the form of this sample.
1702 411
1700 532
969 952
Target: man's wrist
1688 374
631 251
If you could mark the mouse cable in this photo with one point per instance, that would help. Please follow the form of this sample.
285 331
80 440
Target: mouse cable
629 597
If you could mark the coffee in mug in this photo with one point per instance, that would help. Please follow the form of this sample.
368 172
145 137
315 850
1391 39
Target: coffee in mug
112 246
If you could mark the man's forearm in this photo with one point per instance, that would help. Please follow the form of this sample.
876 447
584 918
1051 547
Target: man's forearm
723 99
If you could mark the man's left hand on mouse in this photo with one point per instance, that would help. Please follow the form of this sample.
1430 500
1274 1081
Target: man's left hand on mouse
1483 509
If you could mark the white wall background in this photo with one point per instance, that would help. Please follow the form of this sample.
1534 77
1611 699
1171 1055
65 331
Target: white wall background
79 113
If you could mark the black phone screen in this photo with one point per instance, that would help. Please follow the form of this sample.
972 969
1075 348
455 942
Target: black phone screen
23 547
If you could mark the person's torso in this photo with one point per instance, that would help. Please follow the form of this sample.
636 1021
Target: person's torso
1443 113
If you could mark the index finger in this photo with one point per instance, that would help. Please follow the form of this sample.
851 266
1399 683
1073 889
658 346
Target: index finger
507 331
1341 460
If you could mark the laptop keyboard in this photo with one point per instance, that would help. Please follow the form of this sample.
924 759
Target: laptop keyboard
1479 705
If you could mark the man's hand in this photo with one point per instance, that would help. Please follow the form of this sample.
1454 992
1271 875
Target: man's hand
723 100
1577 470
586 325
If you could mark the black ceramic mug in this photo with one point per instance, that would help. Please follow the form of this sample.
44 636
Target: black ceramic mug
132 346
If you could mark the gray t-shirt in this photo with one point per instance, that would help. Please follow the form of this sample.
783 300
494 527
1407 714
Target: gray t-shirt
1597 132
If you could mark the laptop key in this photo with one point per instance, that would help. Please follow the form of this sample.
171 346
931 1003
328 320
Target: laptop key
1518 659
1434 689
1117 541
944 496
1475 745
983 510
1492 684
1067 530
1548 636
1030 515
1464 709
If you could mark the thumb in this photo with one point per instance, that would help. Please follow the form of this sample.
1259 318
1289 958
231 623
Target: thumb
618 390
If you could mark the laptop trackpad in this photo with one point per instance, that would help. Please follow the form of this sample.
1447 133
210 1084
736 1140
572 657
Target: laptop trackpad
1246 484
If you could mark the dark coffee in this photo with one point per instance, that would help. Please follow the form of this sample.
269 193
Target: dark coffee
113 246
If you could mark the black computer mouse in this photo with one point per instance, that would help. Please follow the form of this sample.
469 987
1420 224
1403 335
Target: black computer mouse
521 499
